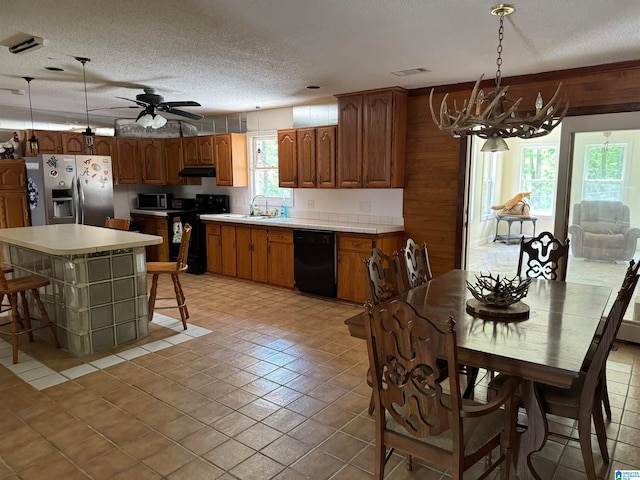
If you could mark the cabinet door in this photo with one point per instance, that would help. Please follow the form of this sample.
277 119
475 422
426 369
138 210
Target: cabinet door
280 257
14 210
190 151
205 150
306 147
259 247
351 276
287 158
172 148
228 235
104 146
128 163
243 258
13 175
72 143
377 139
326 157
162 230
214 249
153 169
48 141
222 154
349 162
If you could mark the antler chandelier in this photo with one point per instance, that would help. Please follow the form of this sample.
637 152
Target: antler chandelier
495 116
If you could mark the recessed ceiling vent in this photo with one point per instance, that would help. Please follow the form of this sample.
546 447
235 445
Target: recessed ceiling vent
410 71
28 45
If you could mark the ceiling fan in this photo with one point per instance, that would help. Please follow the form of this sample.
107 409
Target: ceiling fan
151 103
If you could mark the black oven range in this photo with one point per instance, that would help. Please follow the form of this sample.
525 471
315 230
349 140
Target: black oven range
205 204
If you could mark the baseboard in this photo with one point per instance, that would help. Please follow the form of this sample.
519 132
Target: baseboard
629 331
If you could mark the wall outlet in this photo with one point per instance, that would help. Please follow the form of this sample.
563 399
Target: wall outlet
311 204
365 207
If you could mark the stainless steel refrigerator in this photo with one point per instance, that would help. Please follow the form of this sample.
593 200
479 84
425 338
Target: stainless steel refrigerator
69 189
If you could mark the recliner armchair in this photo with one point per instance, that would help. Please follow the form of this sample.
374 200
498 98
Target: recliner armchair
601 231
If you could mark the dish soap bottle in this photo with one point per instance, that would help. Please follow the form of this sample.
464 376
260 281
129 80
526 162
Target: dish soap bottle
283 209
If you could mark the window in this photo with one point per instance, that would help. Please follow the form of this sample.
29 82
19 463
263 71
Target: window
604 171
489 170
263 170
539 166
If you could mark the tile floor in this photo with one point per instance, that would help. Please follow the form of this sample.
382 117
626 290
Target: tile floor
275 390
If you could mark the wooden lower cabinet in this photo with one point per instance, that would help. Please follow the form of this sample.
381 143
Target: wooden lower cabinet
14 210
251 259
280 258
154 225
352 252
229 250
214 249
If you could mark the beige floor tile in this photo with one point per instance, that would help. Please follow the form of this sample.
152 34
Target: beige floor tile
317 465
229 454
138 472
169 459
257 467
196 469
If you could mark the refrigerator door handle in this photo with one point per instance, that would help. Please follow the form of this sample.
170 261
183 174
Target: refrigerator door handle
80 210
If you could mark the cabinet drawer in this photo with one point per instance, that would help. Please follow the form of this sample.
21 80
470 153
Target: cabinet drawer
281 236
213 229
355 243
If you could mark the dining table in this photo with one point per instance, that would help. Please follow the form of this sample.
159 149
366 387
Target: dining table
546 347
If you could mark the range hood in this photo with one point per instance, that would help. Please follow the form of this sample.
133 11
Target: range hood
208 171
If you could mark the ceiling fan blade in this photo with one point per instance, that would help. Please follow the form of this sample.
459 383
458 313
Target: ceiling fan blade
182 104
182 113
110 108
142 104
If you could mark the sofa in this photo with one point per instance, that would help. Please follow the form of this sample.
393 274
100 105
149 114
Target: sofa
601 231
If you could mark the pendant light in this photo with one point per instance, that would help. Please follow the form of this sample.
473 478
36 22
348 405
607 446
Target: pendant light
33 140
259 153
88 135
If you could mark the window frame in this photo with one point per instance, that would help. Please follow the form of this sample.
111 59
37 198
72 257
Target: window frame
252 138
554 181
488 189
623 182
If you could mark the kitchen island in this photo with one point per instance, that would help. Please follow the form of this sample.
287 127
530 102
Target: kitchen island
97 297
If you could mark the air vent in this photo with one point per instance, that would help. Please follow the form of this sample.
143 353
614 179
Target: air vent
28 45
410 71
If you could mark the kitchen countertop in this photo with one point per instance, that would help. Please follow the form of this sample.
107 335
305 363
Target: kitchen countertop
305 223
72 239
154 213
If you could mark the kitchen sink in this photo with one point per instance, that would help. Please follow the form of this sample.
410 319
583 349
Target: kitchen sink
242 215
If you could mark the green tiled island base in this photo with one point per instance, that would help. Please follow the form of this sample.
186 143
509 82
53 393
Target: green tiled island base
96 300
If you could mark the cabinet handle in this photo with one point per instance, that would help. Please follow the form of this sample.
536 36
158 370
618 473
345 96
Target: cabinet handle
219 243
269 249
314 178
320 179
251 247
339 258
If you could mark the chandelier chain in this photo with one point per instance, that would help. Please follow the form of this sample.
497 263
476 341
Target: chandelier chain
499 50
30 107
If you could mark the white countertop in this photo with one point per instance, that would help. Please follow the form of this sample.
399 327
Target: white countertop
306 223
72 239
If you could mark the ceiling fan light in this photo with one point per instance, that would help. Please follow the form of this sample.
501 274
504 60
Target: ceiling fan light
145 120
159 121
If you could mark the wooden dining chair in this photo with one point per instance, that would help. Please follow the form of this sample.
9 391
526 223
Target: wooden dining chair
14 287
583 401
416 263
383 276
412 412
631 272
175 269
543 257
117 223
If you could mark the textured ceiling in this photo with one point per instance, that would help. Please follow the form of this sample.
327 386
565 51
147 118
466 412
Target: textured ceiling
232 55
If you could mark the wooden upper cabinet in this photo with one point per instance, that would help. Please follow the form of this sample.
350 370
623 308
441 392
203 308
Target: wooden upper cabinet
205 150
49 142
172 149
128 166
306 149
104 146
287 158
326 157
230 152
349 164
190 151
372 130
153 169
13 175
73 143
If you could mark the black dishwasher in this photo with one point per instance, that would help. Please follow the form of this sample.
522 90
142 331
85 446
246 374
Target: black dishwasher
314 265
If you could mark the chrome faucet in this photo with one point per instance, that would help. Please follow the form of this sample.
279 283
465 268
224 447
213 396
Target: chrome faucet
266 205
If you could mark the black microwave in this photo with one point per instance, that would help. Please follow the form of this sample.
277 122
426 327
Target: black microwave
154 201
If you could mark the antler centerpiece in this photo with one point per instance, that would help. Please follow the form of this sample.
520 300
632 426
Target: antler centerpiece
499 292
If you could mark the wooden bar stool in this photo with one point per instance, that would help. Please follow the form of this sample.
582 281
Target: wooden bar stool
174 269
117 223
11 288
3 305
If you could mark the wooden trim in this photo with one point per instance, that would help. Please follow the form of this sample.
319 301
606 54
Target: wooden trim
460 210
375 90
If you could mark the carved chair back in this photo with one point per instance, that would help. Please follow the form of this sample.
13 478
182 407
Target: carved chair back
416 261
117 223
183 253
543 257
383 276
